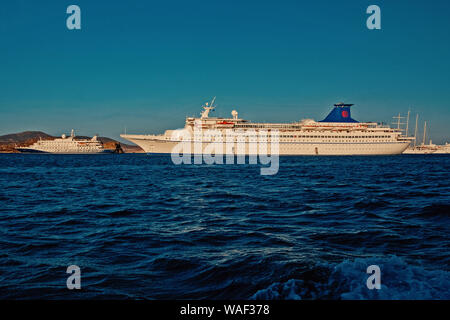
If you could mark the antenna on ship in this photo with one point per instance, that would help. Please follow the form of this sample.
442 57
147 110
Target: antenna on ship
415 131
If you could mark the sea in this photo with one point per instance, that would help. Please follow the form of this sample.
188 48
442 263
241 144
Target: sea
140 227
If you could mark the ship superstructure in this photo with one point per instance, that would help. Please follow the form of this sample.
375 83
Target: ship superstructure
67 145
337 134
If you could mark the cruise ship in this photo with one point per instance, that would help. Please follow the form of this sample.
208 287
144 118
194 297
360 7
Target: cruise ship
337 134
67 145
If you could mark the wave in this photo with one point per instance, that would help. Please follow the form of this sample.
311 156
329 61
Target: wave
123 212
172 264
436 210
347 281
371 204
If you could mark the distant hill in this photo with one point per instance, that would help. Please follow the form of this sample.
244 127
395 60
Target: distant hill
10 141
23 137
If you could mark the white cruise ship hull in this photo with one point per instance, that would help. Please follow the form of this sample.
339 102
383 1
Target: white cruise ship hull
30 150
154 145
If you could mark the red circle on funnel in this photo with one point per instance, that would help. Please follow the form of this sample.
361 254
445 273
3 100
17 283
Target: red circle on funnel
345 114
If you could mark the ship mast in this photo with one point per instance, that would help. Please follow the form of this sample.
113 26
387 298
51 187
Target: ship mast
415 131
424 132
399 117
407 123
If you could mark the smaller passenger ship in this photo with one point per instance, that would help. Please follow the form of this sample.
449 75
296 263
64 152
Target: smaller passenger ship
67 145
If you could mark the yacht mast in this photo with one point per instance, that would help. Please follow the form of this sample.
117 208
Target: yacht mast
424 132
407 123
399 117
415 131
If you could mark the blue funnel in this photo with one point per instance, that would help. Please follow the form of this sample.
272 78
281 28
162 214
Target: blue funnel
340 113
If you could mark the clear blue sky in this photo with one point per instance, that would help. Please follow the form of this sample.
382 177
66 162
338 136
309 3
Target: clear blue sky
146 64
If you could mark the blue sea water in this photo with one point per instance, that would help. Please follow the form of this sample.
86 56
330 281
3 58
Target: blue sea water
141 227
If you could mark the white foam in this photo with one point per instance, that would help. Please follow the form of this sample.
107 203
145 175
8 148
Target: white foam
347 280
